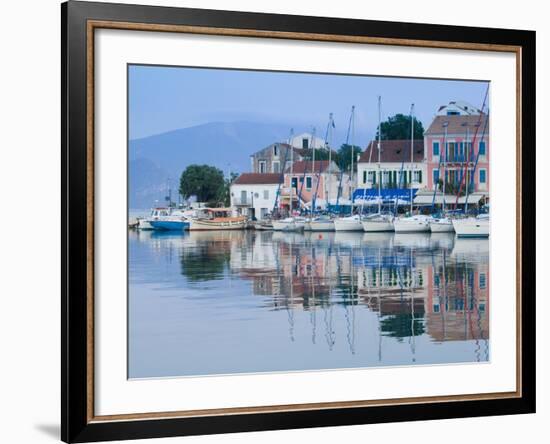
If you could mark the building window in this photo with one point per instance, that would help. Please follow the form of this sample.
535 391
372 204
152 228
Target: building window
275 150
435 148
266 194
294 182
275 166
364 177
418 176
435 177
372 177
482 148
261 166
308 183
482 281
305 143
482 176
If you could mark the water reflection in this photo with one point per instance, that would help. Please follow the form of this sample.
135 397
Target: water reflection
233 302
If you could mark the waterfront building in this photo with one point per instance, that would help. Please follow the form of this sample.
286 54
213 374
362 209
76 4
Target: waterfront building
319 180
396 174
307 141
466 148
254 194
275 158
458 108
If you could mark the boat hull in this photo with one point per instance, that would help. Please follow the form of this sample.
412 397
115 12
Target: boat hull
207 225
347 225
288 226
169 225
144 224
471 227
411 226
441 227
320 226
377 226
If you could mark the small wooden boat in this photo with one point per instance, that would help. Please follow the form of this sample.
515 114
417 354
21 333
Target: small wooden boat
217 219
263 225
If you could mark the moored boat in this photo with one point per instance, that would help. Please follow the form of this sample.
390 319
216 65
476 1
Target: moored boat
441 225
472 226
377 223
217 219
155 214
170 224
412 224
289 224
349 223
320 223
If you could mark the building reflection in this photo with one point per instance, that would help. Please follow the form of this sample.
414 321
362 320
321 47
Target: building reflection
416 284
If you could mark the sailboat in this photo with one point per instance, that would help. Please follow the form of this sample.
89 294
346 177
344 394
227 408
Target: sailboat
378 222
413 223
291 224
442 224
472 226
353 221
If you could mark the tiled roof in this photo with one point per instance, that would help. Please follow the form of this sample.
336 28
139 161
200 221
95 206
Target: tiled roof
393 151
258 179
458 125
307 166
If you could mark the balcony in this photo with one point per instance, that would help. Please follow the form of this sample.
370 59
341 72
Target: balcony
242 201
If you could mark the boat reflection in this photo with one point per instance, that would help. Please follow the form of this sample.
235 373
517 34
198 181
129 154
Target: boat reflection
416 289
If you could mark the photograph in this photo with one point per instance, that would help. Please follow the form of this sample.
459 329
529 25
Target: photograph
286 221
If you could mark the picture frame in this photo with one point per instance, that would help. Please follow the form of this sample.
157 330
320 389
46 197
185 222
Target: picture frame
80 20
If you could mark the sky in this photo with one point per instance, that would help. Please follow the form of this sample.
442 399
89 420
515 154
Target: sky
162 98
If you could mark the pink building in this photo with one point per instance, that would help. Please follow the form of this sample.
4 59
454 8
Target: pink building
466 137
317 179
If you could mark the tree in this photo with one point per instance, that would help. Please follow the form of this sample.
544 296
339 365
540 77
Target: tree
203 181
399 127
344 156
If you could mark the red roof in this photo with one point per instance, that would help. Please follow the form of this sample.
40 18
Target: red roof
258 179
393 151
308 166
459 125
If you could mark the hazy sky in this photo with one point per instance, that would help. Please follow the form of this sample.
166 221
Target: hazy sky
167 98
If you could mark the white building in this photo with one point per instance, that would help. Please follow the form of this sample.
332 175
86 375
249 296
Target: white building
254 194
396 169
306 141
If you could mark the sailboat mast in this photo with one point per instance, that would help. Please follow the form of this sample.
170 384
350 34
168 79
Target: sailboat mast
291 170
327 173
412 154
467 169
446 125
352 155
379 170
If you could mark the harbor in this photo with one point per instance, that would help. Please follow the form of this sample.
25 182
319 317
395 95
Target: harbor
263 301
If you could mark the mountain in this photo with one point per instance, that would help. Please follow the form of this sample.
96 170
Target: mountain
226 145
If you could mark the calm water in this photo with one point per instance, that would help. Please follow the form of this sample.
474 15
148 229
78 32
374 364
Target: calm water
247 301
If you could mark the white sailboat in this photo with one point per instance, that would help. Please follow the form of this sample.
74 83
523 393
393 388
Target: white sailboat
472 226
320 223
378 222
291 223
413 223
348 223
353 221
442 224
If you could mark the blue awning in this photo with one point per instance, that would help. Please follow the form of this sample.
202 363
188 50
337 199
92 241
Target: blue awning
388 195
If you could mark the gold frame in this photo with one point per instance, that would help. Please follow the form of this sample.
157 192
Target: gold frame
92 25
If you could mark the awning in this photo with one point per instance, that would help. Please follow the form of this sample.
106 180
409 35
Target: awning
387 196
428 199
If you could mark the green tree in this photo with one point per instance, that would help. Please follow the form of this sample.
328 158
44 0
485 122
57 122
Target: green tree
344 156
399 127
203 181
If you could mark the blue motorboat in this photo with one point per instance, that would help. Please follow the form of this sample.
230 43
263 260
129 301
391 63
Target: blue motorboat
172 224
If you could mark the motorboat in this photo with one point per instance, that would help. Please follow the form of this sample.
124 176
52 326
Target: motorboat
216 219
170 223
